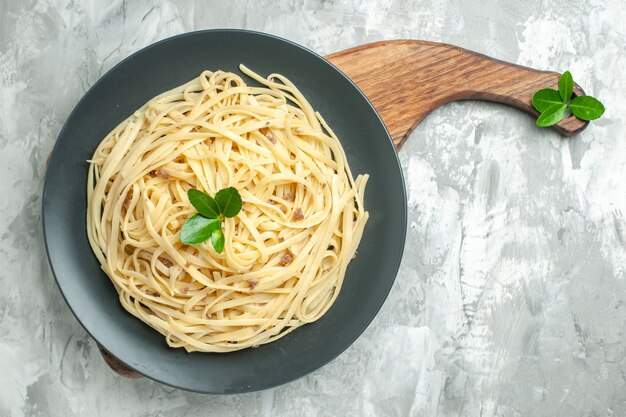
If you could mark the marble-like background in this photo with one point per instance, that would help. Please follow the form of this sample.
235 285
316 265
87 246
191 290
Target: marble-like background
511 299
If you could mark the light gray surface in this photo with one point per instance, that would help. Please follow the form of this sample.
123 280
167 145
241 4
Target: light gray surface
511 300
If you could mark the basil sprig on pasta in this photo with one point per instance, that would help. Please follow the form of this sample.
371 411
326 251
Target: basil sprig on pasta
207 224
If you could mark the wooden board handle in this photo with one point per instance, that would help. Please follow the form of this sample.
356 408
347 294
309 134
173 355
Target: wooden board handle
406 79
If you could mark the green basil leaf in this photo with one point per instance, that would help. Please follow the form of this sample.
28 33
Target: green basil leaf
586 108
552 115
197 229
545 98
229 201
217 239
204 203
566 86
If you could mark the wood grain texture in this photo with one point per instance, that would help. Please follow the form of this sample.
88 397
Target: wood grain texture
117 366
406 79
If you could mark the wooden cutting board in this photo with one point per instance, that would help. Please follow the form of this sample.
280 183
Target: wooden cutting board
406 79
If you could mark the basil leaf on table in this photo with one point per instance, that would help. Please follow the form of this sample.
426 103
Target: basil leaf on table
553 104
586 108
566 86
229 201
198 228
552 115
545 98
204 203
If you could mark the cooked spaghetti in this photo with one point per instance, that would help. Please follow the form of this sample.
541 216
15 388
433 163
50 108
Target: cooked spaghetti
286 252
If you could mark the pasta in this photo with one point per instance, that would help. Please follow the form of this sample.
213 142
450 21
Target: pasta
285 253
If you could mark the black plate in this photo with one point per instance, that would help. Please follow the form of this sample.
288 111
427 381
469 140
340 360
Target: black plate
90 294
